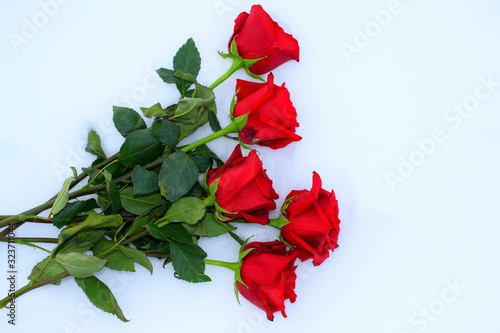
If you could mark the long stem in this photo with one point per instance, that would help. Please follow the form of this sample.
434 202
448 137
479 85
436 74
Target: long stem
231 128
33 211
237 64
28 240
28 288
6 220
41 283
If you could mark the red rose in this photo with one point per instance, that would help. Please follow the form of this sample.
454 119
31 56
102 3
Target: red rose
256 36
272 119
268 272
314 223
242 188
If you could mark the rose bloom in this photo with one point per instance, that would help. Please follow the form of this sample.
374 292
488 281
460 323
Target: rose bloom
272 119
268 272
256 36
243 189
314 224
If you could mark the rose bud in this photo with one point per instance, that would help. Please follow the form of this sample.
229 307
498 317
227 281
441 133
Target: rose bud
272 119
257 36
313 227
268 274
242 189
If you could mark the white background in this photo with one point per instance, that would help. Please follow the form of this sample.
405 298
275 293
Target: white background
418 254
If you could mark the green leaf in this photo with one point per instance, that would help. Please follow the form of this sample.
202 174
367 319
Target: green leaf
52 268
187 60
80 265
167 132
62 197
213 121
188 261
209 227
178 175
94 175
178 233
115 259
189 210
139 224
180 74
93 221
71 210
127 120
105 204
119 262
167 75
144 181
116 169
139 205
154 111
202 164
94 146
157 232
192 112
205 152
140 147
138 257
82 241
114 194
101 296
172 231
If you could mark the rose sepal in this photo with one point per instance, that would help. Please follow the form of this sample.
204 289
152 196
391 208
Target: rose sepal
242 62
237 273
279 222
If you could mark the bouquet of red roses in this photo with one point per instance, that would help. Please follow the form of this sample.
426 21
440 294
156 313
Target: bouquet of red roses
157 197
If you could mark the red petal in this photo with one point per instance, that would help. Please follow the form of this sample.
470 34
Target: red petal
257 32
265 267
214 174
238 175
238 23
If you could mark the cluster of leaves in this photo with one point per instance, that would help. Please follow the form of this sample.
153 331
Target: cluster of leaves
149 198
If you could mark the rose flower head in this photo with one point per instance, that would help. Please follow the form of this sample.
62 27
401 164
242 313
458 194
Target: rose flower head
268 274
257 36
242 189
313 227
272 119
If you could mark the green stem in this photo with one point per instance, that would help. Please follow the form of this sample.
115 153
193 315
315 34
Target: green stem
21 240
135 237
84 175
231 128
6 220
158 255
34 219
15 218
33 246
234 266
79 193
28 288
237 64
37 210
